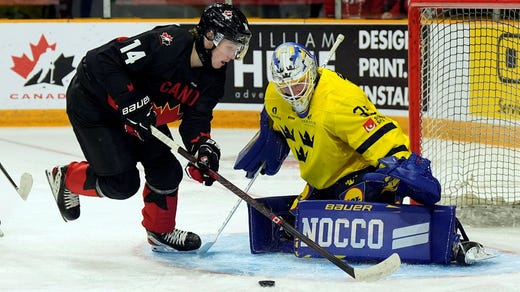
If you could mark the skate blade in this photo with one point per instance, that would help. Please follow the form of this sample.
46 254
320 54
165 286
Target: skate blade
476 254
54 191
169 250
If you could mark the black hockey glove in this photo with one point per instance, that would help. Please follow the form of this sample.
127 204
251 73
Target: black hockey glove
207 153
139 116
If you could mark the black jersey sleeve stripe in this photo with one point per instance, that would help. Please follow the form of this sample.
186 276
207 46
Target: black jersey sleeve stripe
400 148
376 136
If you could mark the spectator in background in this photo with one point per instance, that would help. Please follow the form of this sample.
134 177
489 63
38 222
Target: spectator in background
385 9
375 9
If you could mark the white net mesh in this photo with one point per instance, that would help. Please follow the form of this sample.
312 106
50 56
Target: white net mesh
470 103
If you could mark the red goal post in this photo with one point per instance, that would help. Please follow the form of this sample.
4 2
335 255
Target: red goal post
464 98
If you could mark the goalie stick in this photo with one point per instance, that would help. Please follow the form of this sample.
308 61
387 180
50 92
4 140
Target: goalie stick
373 273
336 44
204 249
26 182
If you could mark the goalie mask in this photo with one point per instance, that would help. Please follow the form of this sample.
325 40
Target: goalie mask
224 21
294 70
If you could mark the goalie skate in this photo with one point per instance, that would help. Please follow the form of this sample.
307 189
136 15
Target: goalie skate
470 252
174 241
68 203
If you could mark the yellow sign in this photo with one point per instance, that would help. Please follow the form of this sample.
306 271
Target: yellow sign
495 71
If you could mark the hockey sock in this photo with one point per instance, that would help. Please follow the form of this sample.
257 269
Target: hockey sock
159 210
77 177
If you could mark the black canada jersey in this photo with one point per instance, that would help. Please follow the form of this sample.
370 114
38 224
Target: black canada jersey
157 63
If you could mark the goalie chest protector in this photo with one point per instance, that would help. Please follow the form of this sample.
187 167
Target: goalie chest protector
360 231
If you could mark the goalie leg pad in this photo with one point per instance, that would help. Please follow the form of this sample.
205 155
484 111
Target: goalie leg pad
359 231
363 231
264 235
266 146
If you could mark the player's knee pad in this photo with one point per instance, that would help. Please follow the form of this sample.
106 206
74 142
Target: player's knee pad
120 186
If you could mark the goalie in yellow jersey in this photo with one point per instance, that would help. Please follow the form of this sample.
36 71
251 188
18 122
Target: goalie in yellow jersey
346 149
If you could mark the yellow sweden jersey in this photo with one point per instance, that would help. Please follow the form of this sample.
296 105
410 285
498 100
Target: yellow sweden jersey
342 133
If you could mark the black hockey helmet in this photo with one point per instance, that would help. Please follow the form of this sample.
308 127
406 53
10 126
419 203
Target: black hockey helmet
226 22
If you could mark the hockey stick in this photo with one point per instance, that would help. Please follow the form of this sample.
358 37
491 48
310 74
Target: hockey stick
375 272
336 44
203 249
26 182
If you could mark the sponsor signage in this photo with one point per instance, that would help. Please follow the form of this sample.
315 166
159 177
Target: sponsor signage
39 59
361 231
372 56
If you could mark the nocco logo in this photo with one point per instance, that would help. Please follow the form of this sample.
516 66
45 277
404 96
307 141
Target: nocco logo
43 65
361 233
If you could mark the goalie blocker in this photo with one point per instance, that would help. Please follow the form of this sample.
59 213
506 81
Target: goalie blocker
359 231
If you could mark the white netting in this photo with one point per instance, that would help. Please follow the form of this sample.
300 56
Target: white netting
470 100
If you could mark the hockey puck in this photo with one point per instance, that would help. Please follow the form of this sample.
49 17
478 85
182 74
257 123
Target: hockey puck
266 283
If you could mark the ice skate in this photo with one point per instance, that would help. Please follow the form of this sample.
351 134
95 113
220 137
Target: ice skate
68 203
174 241
469 252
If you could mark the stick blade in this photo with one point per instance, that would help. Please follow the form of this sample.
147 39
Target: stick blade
26 182
376 272
204 249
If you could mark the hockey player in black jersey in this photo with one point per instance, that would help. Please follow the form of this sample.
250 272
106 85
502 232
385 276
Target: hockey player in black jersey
127 85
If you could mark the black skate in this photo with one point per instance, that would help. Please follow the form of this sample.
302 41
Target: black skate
174 241
67 202
469 252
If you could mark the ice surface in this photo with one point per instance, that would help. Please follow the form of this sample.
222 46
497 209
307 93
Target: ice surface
105 249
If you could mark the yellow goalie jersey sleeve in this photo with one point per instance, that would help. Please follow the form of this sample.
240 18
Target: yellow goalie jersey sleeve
342 133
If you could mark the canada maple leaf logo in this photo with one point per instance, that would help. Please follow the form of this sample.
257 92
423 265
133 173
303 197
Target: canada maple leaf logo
46 66
165 114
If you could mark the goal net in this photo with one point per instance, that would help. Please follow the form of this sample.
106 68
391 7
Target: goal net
464 86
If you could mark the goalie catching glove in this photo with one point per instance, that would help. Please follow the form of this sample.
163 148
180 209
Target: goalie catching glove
410 177
138 114
207 153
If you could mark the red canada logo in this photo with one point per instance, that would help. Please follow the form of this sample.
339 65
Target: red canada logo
44 66
166 39
166 114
